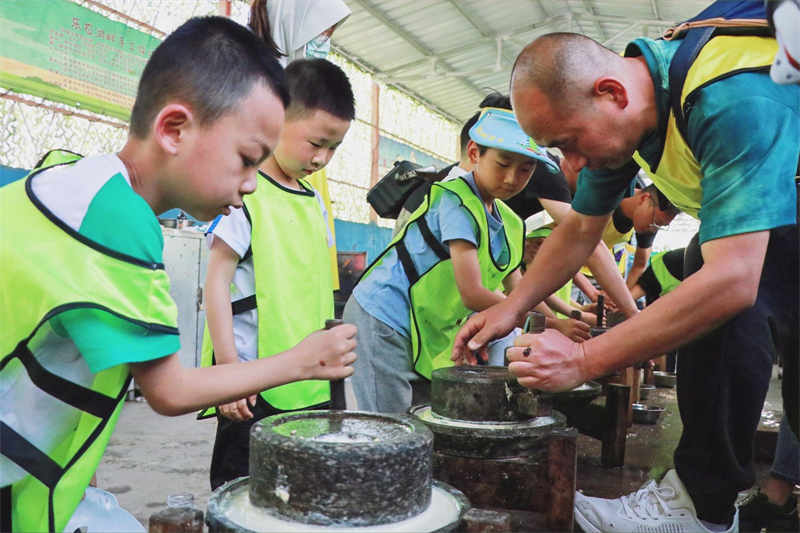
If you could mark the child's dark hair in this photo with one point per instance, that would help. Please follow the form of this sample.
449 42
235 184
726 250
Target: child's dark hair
493 99
319 84
661 200
211 63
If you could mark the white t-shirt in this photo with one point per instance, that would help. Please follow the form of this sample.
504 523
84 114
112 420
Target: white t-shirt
236 231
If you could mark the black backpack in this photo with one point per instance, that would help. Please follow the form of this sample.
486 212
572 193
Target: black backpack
405 184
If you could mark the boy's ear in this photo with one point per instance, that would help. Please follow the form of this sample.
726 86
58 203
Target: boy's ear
473 152
170 125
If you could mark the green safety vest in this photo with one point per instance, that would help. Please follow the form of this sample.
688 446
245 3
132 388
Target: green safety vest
293 282
667 281
49 269
436 307
678 174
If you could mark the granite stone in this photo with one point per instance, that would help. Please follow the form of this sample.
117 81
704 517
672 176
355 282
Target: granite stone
341 468
481 394
488 439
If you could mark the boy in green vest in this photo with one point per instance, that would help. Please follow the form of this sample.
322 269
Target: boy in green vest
456 254
84 303
269 282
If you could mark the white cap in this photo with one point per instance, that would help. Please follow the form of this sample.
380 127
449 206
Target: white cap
786 66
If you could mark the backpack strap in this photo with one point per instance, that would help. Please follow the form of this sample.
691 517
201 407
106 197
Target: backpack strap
684 56
745 17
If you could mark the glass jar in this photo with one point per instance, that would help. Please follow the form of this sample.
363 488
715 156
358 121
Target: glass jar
180 516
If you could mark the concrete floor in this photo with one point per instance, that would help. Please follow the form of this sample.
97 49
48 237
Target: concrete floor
151 456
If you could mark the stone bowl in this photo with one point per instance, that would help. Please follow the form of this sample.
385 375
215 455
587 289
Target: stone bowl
341 468
664 379
646 414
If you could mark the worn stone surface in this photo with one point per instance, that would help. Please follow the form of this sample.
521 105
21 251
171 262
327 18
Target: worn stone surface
481 394
341 468
488 439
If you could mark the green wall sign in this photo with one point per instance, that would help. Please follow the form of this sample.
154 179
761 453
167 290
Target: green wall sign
66 53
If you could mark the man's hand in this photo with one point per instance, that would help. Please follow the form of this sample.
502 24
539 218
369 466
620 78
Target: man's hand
493 323
238 410
547 361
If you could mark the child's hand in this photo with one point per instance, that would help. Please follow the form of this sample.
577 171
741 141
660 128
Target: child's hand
238 410
327 354
589 318
575 330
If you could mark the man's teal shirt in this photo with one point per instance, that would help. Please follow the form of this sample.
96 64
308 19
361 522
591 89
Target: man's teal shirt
744 131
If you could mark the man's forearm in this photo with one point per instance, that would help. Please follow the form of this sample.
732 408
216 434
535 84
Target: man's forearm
560 256
601 262
634 275
693 308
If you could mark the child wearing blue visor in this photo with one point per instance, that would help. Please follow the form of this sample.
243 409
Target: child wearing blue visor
457 254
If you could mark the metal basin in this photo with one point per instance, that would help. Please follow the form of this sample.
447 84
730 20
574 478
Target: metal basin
646 414
645 390
664 379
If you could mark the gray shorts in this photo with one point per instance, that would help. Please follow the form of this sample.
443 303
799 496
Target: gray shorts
384 380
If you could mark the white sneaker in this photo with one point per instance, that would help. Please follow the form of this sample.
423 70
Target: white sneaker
655 508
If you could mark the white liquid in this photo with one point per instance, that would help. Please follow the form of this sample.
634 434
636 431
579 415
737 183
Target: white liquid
443 510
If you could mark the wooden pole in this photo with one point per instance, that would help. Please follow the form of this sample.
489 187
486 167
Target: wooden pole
376 138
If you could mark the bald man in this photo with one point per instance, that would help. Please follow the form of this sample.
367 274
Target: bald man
734 171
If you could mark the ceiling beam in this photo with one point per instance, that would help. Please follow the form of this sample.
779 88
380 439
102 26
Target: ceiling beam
620 34
411 40
598 28
478 25
654 5
371 69
626 20
460 49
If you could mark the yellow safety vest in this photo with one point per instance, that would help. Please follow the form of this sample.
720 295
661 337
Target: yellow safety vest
678 174
436 308
293 282
613 238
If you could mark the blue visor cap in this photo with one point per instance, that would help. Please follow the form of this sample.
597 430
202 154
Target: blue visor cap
498 128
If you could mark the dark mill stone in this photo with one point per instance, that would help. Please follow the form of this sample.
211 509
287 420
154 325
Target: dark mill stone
340 468
480 393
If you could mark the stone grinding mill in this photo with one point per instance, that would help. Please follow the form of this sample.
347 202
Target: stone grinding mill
502 446
337 471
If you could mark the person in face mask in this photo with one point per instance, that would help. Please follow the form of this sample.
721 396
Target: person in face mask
298 28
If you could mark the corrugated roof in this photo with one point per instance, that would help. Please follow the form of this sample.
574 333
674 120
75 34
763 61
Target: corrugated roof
450 53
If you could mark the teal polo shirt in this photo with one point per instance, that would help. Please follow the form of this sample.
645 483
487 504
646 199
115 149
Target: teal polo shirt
744 131
111 214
